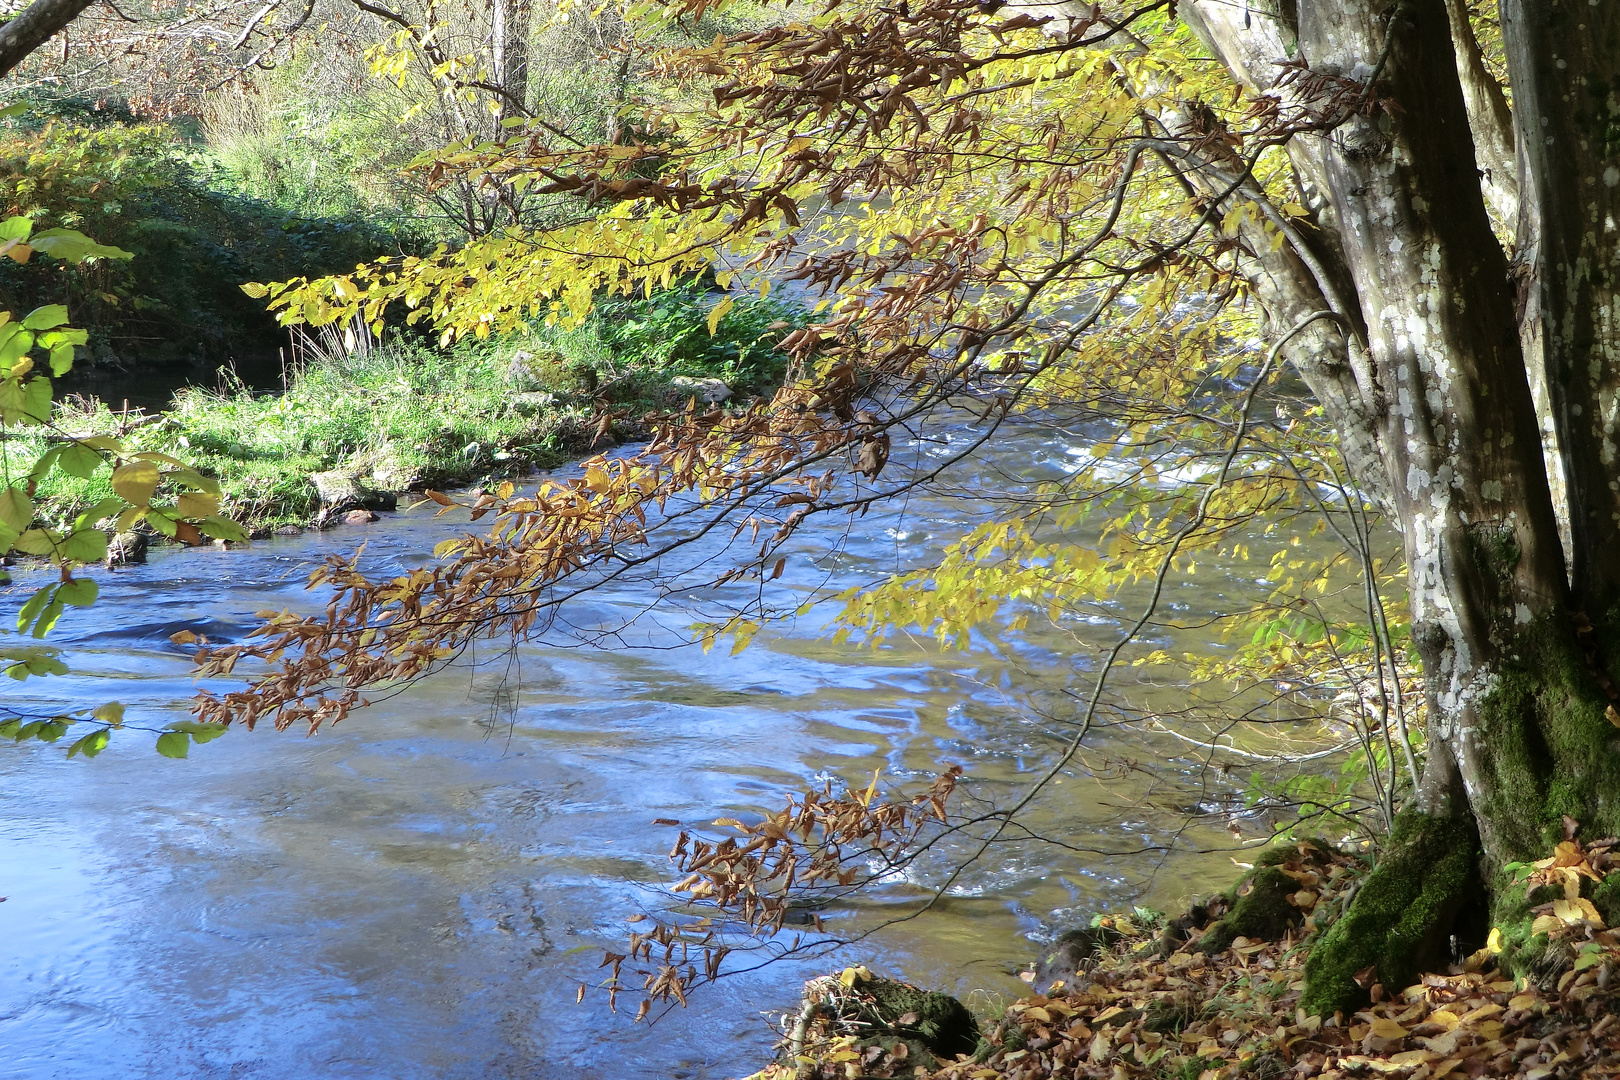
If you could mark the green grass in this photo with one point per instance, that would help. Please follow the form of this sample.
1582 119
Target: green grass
406 417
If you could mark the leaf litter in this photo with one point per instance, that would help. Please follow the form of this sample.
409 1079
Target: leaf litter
1155 1006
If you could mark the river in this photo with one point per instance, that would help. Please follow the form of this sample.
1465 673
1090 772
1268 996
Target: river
418 892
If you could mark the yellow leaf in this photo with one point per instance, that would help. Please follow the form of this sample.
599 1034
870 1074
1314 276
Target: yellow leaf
1385 1028
1445 1018
852 975
197 504
135 482
719 311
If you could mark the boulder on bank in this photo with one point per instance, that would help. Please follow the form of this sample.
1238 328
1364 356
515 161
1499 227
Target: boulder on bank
893 1026
126 548
341 490
708 391
1071 953
1274 897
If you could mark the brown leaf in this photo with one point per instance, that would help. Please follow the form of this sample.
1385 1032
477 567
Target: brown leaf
1366 976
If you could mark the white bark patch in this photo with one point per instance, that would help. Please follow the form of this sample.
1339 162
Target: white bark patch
1491 491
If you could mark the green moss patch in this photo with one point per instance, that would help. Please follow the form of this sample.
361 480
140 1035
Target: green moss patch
1400 921
1264 904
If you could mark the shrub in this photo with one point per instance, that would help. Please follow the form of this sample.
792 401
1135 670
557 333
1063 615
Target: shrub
139 187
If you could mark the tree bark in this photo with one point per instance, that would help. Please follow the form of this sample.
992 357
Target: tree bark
1516 694
509 53
37 24
1564 57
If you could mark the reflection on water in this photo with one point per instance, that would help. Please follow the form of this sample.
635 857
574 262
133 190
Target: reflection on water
419 892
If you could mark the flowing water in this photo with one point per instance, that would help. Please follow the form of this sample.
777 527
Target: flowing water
418 892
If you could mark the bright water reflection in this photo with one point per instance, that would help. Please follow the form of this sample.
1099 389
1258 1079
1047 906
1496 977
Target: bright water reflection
418 892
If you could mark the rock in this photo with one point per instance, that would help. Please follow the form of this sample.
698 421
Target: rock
708 391
290 530
1071 954
1261 906
340 490
902 1022
359 517
533 402
126 548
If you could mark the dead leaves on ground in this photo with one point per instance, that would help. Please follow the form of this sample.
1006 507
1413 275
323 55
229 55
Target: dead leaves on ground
1136 1013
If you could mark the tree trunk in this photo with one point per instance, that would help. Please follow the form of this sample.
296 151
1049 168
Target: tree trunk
1516 692
509 54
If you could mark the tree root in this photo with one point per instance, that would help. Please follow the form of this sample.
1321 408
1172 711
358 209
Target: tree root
1401 920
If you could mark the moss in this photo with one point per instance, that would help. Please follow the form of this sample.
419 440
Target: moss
943 1024
1606 898
1511 916
1258 907
1401 919
1547 745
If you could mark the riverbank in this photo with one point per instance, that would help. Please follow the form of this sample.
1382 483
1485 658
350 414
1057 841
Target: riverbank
357 425
1187 999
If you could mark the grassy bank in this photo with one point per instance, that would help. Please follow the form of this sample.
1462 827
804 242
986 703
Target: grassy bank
402 417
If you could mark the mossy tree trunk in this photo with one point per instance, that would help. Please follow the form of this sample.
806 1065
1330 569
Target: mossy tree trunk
1441 329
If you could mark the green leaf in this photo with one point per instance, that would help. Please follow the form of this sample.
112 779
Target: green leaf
48 317
195 480
16 228
47 618
45 462
222 528
200 733
80 592
174 744
106 508
14 110
85 546
111 712
91 744
14 344
28 402
71 246
36 542
80 461
16 508
255 290
161 520
51 730
61 359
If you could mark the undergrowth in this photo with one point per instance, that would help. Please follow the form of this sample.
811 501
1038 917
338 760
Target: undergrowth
406 416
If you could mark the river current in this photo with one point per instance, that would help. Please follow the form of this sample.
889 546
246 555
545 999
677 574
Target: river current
418 892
